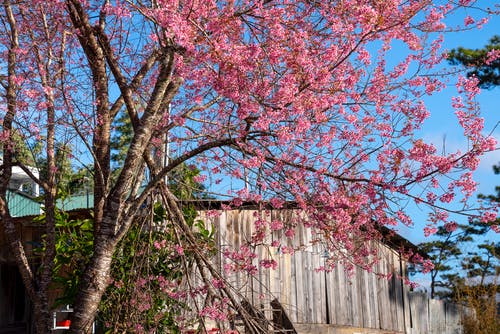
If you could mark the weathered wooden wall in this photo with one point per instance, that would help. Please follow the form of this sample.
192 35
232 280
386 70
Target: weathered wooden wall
434 316
310 296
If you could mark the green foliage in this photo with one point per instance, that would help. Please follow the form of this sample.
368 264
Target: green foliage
478 266
137 295
469 278
120 141
150 262
475 60
443 252
182 182
23 152
74 247
147 273
483 263
147 270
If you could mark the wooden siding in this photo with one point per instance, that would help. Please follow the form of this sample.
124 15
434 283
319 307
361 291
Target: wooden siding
309 296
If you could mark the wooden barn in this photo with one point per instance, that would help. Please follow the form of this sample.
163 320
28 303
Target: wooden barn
295 295
329 302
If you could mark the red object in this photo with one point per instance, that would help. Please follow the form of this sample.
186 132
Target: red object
63 323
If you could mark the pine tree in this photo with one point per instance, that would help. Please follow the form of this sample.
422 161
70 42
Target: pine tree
482 62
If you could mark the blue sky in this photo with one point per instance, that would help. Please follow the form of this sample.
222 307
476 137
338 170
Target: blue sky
442 125
442 121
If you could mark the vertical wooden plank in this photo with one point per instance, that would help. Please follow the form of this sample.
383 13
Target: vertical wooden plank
437 320
317 289
320 277
277 276
406 301
362 300
222 226
388 291
293 289
342 303
236 224
299 286
364 287
246 227
286 283
309 288
259 278
350 300
394 289
453 319
399 292
373 293
231 242
357 309
269 277
383 292
332 288
419 307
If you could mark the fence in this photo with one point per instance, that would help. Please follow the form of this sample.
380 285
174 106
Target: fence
434 316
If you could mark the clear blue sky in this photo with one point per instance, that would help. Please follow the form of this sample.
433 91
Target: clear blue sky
443 123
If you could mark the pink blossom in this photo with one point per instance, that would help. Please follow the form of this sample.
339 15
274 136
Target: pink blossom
160 244
447 198
491 56
468 20
429 231
276 225
218 284
179 249
427 266
277 202
451 226
489 216
200 178
269 264
290 233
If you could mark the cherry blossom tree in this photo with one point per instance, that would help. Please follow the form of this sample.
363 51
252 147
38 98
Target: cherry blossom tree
316 102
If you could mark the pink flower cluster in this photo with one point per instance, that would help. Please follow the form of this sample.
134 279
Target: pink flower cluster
240 260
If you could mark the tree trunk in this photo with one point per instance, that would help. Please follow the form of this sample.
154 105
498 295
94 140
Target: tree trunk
41 314
94 282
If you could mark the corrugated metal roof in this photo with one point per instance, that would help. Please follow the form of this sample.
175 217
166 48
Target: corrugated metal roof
21 205
74 202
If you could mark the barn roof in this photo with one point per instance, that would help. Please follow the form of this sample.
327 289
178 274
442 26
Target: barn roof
389 236
81 206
